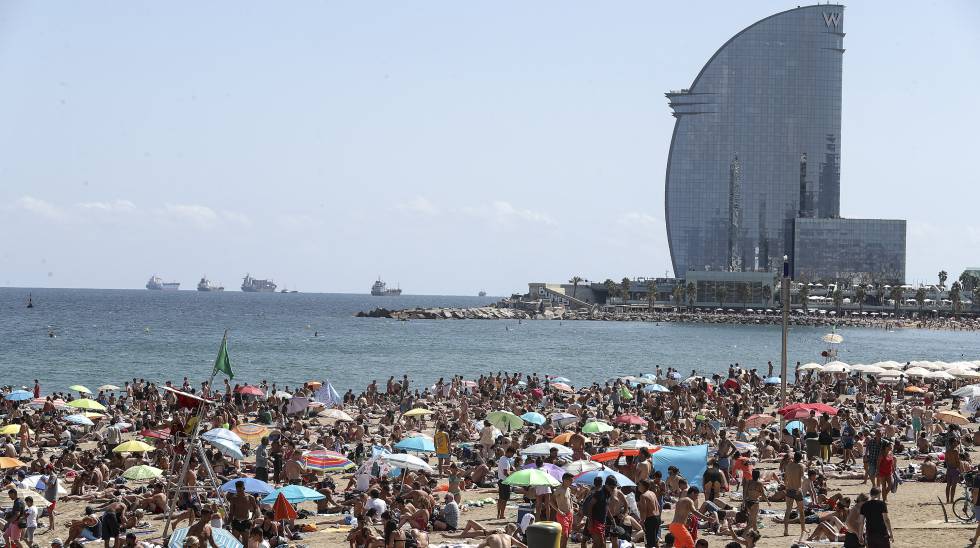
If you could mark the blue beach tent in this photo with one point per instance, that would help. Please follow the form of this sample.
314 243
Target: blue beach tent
692 462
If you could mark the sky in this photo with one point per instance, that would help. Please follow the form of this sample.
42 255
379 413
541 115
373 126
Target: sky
447 147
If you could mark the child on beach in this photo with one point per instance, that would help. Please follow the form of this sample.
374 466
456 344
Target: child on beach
30 514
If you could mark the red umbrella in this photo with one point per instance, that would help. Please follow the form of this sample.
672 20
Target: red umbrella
635 420
616 453
282 509
249 390
755 421
732 384
796 408
161 434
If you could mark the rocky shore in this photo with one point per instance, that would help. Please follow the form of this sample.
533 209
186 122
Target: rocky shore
821 320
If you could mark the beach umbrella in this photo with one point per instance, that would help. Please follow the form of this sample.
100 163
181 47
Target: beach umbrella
407 462
697 378
562 438
294 494
156 434
797 425
252 433
810 367
335 414
37 482
655 388
561 419
108 388
227 448
132 446
142 472
970 391
544 450
758 421
951 417
914 390
836 367
561 379
868 369
531 478
249 390
731 384
505 420
418 411
328 461
314 384
58 403
556 471
533 418
636 444
93 416
941 375
85 403
282 509
634 420
224 434
580 466
19 395
917 372
79 388
12 430
562 387
588 477
774 380
818 407
596 427
418 444
80 419
252 485
964 373
24 493
888 364
223 538
10 462
615 454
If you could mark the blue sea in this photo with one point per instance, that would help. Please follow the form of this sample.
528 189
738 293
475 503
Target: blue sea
110 336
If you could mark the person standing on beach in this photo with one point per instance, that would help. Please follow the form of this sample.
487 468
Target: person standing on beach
243 509
886 466
505 466
793 478
878 528
678 525
262 460
649 508
975 499
871 453
561 503
443 448
953 466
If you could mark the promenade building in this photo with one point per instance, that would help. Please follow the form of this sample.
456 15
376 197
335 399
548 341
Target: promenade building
753 171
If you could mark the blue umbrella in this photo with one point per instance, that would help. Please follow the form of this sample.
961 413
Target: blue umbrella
418 444
216 434
80 419
227 448
798 425
252 485
222 537
294 494
656 388
533 418
589 477
774 380
19 395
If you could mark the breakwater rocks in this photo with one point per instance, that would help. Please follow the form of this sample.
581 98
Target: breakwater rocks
814 320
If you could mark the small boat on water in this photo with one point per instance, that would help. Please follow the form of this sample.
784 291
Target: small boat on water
30 301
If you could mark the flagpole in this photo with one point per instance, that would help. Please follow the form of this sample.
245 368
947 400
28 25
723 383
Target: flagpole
214 370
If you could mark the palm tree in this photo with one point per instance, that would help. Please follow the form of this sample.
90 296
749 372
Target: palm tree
691 291
943 276
575 281
896 295
880 294
651 294
742 293
610 289
767 295
721 293
920 298
678 295
968 281
804 294
838 297
860 293
625 289
955 295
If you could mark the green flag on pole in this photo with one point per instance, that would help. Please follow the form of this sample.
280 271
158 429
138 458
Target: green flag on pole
222 363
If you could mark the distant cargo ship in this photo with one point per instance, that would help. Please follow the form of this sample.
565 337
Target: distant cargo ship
156 283
252 285
380 289
207 285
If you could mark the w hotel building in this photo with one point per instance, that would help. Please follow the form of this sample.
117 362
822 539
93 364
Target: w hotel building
754 166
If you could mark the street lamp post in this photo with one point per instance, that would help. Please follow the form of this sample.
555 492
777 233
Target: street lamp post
784 292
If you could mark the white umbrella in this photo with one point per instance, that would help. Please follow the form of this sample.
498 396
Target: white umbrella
971 391
836 367
544 450
891 373
964 373
943 375
888 364
335 414
810 367
635 444
406 462
917 372
582 466
227 448
868 369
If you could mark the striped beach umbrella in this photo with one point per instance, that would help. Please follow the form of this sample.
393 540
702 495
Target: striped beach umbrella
252 433
327 461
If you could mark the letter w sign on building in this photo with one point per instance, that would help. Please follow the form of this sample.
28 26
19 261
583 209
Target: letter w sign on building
832 19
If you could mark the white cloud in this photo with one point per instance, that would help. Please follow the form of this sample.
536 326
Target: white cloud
41 208
115 206
418 205
505 212
202 216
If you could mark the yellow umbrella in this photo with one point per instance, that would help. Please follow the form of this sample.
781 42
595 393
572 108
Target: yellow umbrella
7 462
93 416
416 412
252 433
79 388
951 417
132 446
12 430
86 403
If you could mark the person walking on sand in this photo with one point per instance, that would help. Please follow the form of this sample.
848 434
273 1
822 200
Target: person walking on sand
878 528
793 478
678 525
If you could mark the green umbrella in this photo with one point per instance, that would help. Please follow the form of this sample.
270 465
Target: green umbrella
596 427
505 420
142 472
531 477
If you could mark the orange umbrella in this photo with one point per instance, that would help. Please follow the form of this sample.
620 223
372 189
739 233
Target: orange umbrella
8 462
314 384
250 432
561 387
562 438
615 454
914 390
282 509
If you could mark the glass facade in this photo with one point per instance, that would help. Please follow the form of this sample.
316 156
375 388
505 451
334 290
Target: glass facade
757 143
870 250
